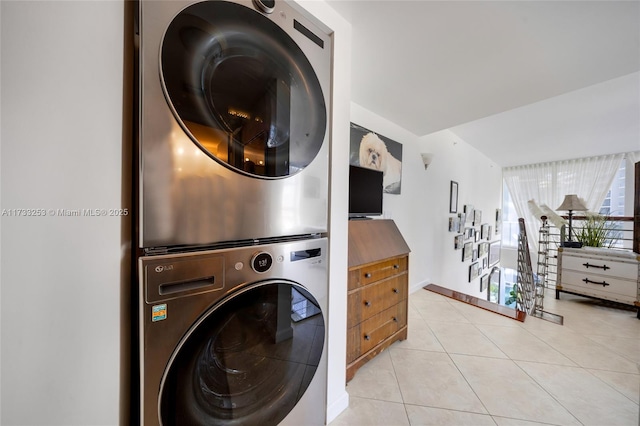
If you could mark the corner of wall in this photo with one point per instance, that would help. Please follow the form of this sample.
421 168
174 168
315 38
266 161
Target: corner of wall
337 406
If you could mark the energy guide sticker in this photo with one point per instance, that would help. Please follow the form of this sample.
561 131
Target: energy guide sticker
159 312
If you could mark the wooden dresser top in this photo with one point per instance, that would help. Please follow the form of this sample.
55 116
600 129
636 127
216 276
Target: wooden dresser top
374 240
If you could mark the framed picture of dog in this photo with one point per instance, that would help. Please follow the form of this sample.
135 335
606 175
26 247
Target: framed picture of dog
372 150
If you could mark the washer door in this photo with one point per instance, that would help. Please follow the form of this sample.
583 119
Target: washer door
248 360
242 89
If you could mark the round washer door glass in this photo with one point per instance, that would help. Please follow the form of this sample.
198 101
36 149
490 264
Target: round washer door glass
248 360
242 89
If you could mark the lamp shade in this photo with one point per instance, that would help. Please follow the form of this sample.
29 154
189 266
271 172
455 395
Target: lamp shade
572 203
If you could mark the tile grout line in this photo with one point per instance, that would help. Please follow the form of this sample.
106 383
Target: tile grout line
548 392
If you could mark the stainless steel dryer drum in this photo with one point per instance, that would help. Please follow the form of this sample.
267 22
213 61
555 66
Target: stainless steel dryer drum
235 337
233 122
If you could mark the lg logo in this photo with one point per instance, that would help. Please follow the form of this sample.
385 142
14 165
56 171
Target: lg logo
162 268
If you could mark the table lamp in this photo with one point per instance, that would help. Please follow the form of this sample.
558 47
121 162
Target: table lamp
572 203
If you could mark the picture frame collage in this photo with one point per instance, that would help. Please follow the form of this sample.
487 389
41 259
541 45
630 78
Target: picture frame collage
474 238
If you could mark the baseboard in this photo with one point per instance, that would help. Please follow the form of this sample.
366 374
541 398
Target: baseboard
480 303
337 407
418 286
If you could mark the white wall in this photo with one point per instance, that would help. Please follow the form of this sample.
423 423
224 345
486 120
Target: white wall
61 77
421 211
337 398
479 183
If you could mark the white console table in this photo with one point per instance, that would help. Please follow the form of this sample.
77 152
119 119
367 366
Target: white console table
608 274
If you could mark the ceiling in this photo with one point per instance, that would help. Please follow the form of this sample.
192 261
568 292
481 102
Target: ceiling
522 81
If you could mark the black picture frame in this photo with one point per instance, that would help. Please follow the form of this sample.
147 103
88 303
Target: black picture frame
477 217
459 242
467 251
485 233
468 233
454 224
493 292
453 197
474 271
463 220
494 253
360 139
484 283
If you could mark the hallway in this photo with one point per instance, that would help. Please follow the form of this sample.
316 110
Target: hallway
462 365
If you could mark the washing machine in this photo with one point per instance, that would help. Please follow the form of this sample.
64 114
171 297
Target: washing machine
235 336
232 127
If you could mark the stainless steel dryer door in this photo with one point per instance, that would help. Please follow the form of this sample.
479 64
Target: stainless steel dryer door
233 126
247 361
242 89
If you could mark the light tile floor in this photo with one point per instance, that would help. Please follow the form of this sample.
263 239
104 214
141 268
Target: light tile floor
462 365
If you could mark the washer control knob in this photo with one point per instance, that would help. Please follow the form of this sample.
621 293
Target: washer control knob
261 262
266 6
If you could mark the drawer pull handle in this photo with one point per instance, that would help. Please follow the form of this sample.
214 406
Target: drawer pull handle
367 275
603 267
396 266
395 319
367 303
395 290
366 337
603 283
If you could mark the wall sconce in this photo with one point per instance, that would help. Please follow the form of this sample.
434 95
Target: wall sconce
572 203
426 159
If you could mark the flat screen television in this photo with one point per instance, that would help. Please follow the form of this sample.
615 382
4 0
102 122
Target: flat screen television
365 192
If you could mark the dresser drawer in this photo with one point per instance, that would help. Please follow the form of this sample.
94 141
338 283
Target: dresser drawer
596 285
375 298
366 335
601 266
377 271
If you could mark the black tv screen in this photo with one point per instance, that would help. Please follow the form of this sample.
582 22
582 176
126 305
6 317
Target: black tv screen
365 192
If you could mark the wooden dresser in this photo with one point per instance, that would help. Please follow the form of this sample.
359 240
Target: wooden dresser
607 274
377 290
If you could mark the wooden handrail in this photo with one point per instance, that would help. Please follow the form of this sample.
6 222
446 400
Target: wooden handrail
609 218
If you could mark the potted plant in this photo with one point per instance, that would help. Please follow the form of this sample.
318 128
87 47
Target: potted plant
597 231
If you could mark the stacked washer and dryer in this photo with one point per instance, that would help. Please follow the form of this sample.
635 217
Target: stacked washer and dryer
232 196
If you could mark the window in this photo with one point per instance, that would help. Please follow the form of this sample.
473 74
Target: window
510 228
613 204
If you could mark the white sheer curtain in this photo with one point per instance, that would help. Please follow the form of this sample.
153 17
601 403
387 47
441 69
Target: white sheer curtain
548 183
632 158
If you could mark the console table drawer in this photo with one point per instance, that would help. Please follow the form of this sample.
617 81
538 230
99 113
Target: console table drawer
366 335
376 271
608 274
602 266
375 298
600 285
